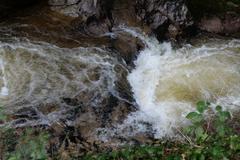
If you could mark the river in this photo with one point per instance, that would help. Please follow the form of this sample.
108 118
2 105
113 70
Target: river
166 82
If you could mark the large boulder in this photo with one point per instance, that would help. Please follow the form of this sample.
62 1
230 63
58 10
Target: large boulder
76 8
216 16
164 15
127 45
92 16
166 18
228 24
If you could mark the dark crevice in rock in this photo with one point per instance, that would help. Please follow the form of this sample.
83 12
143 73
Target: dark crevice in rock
12 8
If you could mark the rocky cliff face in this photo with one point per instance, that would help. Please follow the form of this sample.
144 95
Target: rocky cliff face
164 16
160 16
93 16
167 19
80 8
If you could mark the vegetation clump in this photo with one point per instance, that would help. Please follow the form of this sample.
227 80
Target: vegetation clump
22 144
207 137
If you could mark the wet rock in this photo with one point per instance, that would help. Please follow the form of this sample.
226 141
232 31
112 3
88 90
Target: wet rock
123 12
96 17
216 16
28 113
58 128
87 123
173 32
93 17
160 14
75 8
231 24
213 25
127 45
142 138
122 85
94 74
227 24
47 108
71 101
95 27
120 113
62 2
19 122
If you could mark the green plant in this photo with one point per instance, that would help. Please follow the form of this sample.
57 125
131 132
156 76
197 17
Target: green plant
212 138
196 130
24 144
3 116
30 146
130 153
207 137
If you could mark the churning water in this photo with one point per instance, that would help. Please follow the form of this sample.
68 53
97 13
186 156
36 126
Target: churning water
34 74
168 82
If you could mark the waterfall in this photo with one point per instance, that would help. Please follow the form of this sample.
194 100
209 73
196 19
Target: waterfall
167 82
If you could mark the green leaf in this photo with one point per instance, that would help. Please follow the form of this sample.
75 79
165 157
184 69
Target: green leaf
188 129
219 108
3 116
204 136
221 130
199 132
235 142
13 158
202 157
217 152
202 106
194 117
224 116
174 157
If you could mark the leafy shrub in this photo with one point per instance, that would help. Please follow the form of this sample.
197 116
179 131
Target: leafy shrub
214 138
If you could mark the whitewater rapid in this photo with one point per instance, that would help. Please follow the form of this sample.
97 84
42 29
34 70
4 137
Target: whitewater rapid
167 82
38 74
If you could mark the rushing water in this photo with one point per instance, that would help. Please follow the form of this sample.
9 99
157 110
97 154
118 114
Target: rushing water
167 82
34 74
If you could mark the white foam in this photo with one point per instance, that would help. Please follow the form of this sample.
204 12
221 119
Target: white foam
4 89
38 74
166 83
